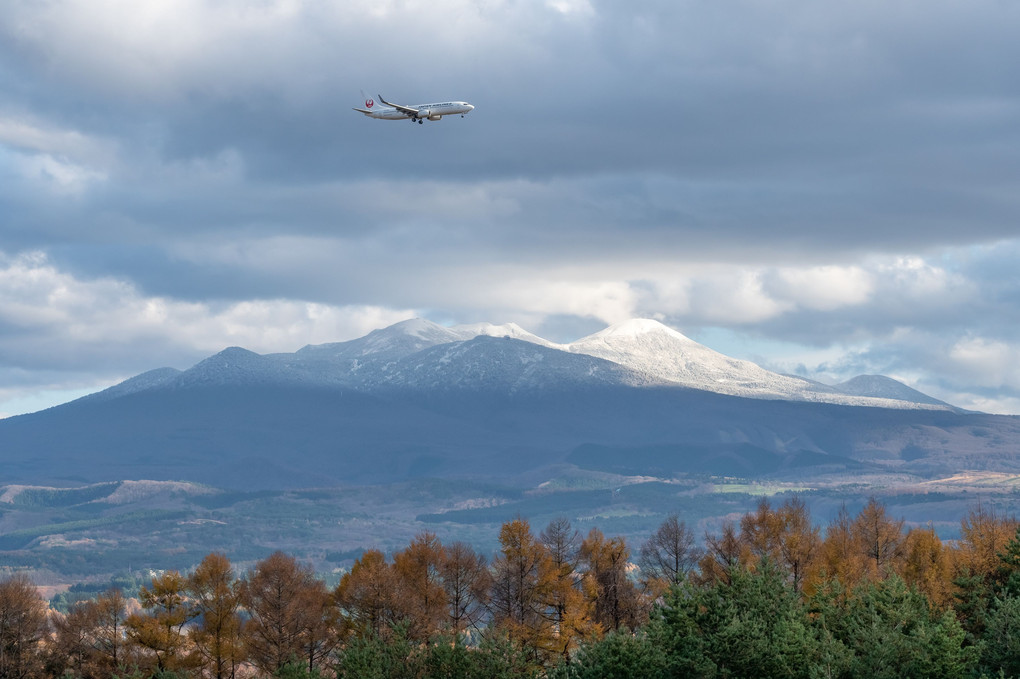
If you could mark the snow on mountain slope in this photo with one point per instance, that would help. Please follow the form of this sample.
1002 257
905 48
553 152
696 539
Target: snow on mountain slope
395 341
880 386
498 364
143 382
658 351
420 354
511 330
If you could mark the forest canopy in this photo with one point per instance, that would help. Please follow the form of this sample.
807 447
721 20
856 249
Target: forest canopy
770 594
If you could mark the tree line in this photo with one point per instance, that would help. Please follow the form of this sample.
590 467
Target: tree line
768 595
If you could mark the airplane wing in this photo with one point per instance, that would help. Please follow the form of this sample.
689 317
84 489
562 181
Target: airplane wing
406 110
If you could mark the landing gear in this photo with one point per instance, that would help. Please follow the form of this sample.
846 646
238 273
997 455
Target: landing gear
420 121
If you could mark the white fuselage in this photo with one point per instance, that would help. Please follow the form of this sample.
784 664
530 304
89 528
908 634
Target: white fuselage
424 111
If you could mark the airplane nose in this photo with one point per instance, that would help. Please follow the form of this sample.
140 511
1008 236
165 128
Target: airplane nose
470 107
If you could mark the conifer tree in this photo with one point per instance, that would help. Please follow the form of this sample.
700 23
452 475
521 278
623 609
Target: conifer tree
750 624
110 613
760 530
879 538
421 595
723 554
668 555
466 581
216 598
1007 574
71 650
568 606
984 534
160 632
799 543
926 566
839 557
523 579
284 600
22 627
366 596
894 633
1000 647
614 597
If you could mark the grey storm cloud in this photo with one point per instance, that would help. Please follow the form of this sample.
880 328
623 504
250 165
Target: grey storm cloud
837 175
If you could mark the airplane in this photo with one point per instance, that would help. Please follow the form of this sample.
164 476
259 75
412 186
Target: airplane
420 113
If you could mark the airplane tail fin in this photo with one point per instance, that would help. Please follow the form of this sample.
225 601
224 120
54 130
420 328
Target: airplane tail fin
369 103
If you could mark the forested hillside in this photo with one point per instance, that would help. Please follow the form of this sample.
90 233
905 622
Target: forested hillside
769 595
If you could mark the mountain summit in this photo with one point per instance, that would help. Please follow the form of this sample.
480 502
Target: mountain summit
662 353
638 352
490 401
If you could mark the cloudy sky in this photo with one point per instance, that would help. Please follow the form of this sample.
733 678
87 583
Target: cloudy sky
827 188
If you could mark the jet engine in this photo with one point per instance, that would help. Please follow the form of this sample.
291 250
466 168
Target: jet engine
435 117
423 113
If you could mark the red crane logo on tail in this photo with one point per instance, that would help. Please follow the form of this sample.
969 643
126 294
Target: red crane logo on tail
369 103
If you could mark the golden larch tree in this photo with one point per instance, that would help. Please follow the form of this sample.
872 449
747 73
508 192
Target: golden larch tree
284 599
216 598
466 581
568 606
159 631
523 579
879 539
366 596
615 599
927 566
421 596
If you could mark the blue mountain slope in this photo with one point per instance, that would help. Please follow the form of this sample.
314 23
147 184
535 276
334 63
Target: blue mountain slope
879 386
409 403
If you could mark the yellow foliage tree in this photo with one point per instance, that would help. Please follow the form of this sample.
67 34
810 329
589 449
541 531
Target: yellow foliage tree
568 606
984 533
879 539
839 558
421 597
466 581
927 566
523 583
366 596
216 598
160 631
614 598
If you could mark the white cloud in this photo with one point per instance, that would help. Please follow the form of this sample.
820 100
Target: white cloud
822 288
985 362
58 319
23 134
57 175
913 276
168 50
736 299
63 161
581 7
828 176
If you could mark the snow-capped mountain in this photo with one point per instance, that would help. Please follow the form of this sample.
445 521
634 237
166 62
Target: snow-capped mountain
395 341
489 401
884 387
662 353
420 354
652 353
486 363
